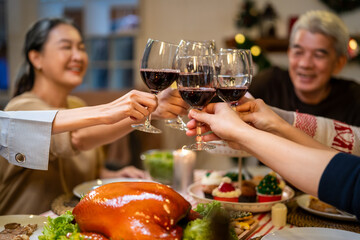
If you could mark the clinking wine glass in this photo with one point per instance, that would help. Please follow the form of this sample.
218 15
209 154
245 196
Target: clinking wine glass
196 84
196 48
249 58
191 48
158 72
234 76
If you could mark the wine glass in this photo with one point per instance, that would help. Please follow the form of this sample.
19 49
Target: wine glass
234 76
196 84
195 48
191 48
249 57
158 72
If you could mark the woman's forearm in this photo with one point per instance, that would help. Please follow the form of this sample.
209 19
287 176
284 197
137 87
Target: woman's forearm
71 119
91 137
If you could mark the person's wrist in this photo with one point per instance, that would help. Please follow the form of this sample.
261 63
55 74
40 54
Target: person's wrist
281 128
106 114
241 135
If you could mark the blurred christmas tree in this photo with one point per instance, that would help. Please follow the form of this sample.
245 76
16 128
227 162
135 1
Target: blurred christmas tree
342 5
259 58
250 17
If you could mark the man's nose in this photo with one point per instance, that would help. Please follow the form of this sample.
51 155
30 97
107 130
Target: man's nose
306 61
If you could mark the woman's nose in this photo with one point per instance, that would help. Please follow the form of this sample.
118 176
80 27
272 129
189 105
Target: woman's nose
78 54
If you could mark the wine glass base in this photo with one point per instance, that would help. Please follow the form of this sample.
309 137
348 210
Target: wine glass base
176 124
148 129
199 146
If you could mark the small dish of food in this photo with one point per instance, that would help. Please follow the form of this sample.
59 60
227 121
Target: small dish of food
315 206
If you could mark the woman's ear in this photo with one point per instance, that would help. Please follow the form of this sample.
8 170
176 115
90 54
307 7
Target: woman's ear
341 62
35 59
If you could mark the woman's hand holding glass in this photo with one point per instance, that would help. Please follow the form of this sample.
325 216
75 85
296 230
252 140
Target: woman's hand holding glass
170 105
135 104
158 72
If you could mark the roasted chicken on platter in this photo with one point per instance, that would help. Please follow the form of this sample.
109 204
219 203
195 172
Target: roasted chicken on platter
132 210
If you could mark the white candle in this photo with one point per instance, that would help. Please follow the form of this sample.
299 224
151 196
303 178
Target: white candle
278 215
184 163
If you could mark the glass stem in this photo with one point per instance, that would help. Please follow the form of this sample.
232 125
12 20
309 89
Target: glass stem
198 135
148 121
181 122
233 105
148 118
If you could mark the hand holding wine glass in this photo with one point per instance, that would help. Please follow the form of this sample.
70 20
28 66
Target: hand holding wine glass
191 48
196 84
158 72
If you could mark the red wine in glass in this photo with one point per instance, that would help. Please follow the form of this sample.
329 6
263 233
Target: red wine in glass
191 48
158 80
231 94
158 71
233 75
196 85
197 97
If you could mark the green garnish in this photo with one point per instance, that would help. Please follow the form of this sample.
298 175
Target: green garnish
60 227
214 225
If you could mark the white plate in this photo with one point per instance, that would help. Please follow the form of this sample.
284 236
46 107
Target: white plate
196 192
222 148
83 188
304 200
25 220
312 233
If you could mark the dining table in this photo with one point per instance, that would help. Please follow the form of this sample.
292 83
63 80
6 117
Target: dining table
296 217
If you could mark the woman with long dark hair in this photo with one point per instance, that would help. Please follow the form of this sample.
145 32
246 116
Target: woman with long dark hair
55 63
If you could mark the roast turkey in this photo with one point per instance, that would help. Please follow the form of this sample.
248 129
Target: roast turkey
132 211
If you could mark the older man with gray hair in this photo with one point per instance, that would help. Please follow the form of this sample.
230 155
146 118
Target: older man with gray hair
317 53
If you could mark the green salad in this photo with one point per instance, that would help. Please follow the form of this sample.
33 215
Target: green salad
159 164
215 224
60 227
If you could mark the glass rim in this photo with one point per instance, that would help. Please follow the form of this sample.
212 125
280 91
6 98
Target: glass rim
157 40
195 56
225 50
198 41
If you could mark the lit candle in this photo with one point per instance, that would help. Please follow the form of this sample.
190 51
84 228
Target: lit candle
278 215
184 163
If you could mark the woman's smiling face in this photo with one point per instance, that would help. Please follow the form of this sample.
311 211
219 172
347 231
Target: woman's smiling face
63 58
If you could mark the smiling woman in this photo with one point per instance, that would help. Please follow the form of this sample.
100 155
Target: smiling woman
55 63
58 55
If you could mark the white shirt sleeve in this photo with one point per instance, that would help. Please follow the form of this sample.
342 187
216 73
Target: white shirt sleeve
25 137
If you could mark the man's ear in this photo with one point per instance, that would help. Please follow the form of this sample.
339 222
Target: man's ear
35 59
340 64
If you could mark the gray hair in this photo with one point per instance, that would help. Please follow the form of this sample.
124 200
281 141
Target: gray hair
326 23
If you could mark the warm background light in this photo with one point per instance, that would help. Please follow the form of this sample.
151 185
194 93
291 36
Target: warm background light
240 38
255 50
